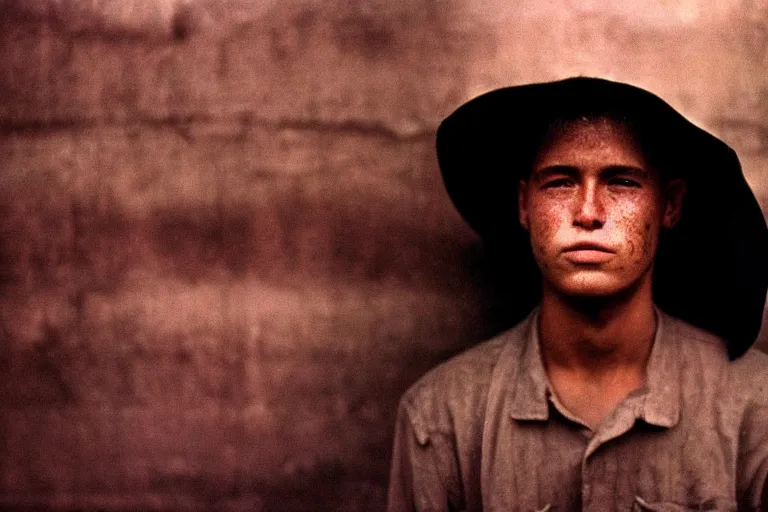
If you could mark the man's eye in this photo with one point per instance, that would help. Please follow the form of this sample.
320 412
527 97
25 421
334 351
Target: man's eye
559 182
624 182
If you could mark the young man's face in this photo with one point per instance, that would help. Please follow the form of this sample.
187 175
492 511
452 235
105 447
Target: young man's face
594 208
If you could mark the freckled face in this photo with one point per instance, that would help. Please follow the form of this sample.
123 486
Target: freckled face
594 209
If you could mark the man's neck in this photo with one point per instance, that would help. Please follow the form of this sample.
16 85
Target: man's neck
597 337
595 351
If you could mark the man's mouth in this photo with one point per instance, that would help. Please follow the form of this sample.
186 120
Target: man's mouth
588 253
588 246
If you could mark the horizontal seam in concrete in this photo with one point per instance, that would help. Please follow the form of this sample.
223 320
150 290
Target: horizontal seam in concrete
98 27
183 124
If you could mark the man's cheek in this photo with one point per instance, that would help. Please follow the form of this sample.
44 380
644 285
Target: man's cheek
546 219
650 240
540 253
639 237
544 236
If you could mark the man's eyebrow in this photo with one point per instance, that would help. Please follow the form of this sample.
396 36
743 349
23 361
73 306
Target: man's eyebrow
554 170
608 172
624 170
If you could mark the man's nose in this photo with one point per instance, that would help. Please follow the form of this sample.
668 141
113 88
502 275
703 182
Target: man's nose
590 211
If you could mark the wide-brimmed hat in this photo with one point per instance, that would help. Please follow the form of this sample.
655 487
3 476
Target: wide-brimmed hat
711 269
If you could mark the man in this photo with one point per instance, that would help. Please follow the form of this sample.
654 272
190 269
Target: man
630 386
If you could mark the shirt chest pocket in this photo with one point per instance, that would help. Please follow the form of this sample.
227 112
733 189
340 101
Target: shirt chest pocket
713 505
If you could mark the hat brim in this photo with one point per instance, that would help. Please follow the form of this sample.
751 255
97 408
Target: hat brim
710 270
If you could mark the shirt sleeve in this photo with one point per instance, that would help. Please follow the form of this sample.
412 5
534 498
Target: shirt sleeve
423 470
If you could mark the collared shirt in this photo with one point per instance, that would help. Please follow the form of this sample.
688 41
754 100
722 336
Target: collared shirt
484 431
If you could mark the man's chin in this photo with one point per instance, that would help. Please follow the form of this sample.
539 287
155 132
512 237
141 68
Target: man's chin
595 287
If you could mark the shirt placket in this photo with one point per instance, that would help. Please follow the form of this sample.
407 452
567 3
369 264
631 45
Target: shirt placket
600 466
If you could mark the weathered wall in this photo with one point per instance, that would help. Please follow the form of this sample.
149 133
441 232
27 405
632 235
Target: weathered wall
224 247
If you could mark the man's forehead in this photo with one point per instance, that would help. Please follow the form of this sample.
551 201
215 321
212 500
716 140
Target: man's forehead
591 143
591 130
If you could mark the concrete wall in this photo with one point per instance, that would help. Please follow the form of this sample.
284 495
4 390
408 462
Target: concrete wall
224 247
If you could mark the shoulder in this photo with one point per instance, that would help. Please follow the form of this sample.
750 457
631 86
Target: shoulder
749 375
705 355
729 398
696 342
454 393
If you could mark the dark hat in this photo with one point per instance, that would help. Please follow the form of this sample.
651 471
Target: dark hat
710 270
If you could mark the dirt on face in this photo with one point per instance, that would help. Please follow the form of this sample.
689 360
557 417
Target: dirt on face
594 208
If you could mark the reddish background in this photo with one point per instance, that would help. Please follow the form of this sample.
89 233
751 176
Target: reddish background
224 247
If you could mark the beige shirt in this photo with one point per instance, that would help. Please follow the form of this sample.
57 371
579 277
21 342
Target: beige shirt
484 431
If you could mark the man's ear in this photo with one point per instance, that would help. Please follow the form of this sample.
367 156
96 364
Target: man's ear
522 203
674 192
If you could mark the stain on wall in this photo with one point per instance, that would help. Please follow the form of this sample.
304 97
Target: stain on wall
225 250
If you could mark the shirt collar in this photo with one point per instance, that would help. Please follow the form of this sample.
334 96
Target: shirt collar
530 390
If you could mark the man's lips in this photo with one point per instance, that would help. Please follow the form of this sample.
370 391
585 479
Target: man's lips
588 246
588 253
